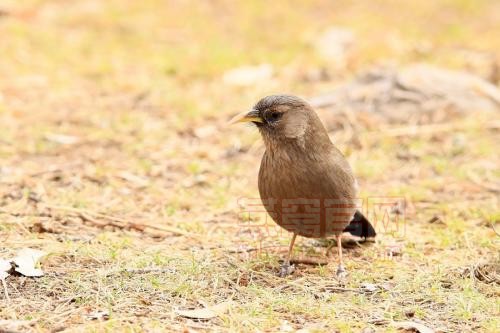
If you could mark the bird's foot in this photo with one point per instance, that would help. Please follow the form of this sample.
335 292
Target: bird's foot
286 269
341 273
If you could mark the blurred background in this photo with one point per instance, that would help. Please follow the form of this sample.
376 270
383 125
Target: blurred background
117 111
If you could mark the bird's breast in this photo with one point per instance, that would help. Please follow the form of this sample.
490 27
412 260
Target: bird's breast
306 196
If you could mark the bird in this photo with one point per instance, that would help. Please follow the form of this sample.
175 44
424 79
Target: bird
305 183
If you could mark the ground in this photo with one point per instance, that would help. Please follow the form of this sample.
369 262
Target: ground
117 161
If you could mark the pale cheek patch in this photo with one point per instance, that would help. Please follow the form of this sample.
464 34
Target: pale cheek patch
295 127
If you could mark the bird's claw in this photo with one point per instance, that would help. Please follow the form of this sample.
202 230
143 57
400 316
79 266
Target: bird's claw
341 273
286 269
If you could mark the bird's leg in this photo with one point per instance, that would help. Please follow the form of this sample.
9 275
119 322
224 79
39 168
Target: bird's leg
341 272
286 268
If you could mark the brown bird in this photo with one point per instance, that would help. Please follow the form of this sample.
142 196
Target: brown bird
305 183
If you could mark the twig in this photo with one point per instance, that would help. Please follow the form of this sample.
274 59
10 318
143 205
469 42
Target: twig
55 169
309 261
361 291
5 291
493 227
158 270
123 223
473 177
252 249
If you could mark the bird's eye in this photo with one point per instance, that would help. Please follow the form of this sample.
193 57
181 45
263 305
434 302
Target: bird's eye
274 116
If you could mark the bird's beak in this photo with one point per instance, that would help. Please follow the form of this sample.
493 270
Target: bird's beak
245 117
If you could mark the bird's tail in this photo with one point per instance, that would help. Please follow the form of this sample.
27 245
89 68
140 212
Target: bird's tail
360 226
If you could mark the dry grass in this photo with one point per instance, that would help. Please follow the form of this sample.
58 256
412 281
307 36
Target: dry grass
113 117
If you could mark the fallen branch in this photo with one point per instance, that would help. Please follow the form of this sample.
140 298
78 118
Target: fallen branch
5 291
108 220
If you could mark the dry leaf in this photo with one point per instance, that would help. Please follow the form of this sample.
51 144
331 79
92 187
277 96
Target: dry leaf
62 138
135 180
98 315
370 287
26 261
205 313
286 327
5 267
413 326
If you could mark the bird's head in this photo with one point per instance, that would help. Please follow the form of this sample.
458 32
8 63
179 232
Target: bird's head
283 118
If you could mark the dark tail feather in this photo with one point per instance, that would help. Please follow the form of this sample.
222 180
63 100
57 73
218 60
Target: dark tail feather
360 226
